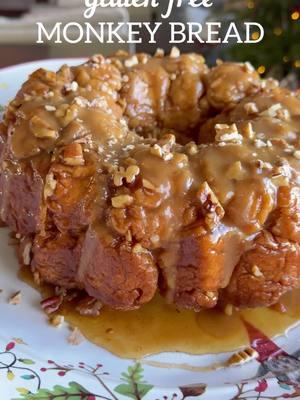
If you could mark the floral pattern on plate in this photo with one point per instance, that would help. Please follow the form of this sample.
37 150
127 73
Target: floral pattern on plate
278 371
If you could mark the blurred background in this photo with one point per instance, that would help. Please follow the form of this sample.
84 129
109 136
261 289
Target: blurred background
277 55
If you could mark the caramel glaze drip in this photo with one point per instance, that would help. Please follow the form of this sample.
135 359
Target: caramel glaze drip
158 327
132 172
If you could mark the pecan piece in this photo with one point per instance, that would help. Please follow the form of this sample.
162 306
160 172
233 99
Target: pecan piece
210 206
73 154
41 129
89 306
51 304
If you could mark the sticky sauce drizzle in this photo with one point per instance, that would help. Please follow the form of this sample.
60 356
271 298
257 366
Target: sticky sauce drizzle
159 327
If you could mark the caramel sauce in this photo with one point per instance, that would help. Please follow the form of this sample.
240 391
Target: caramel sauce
158 327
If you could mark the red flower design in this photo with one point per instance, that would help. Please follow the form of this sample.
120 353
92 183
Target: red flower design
262 386
10 346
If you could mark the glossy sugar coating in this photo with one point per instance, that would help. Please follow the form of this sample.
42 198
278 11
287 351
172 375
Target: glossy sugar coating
132 174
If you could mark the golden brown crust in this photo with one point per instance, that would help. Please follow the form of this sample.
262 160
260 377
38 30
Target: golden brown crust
228 83
100 170
165 93
56 259
264 273
119 274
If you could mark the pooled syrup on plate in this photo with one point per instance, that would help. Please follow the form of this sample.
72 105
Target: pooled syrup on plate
159 327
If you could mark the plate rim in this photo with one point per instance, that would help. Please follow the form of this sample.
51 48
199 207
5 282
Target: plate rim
43 61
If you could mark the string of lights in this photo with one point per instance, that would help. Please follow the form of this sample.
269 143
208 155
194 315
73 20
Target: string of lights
278 54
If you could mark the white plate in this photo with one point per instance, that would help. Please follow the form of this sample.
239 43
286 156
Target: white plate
36 362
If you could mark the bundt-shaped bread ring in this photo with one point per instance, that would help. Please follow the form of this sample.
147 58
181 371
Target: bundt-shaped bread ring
132 174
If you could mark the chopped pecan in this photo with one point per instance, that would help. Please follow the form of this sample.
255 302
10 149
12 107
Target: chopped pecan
71 87
138 248
272 111
210 206
51 304
50 185
73 154
16 298
192 148
243 357
75 337
251 108
131 62
56 320
122 201
148 185
26 255
89 306
159 53
248 131
175 52
256 271
129 175
227 133
41 129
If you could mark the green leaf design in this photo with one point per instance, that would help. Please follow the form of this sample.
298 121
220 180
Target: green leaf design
134 386
26 361
27 377
143 389
73 392
134 392
125 390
